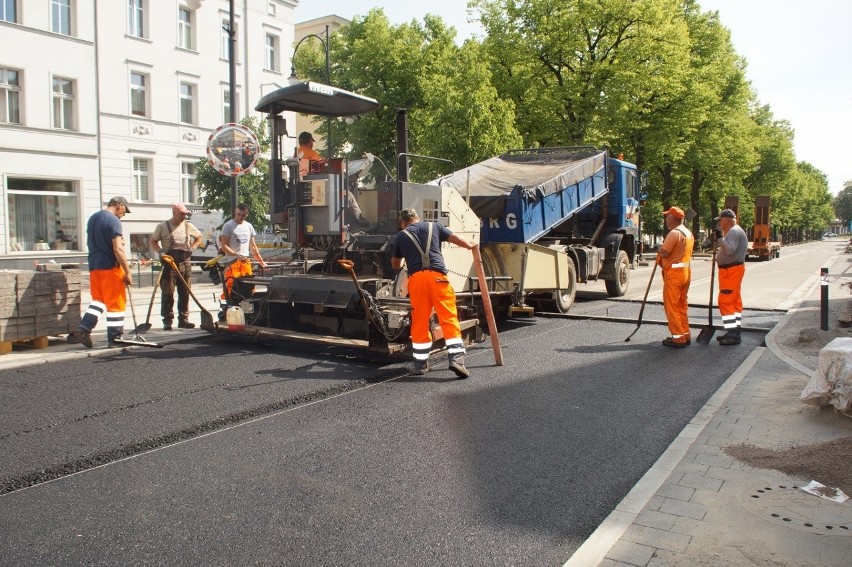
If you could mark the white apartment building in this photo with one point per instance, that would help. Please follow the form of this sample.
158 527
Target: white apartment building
100 98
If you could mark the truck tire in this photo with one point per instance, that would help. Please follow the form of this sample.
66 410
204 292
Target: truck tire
563 299
617 286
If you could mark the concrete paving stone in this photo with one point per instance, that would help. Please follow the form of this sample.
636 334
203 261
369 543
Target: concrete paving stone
663 559
655 519
680 508
675 491
708 498
700 482
655 502
653 537
611 563
689 526
725 473
715 441
631 553
733 430
718 460
691 468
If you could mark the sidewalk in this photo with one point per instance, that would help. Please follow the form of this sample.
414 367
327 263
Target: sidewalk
698 505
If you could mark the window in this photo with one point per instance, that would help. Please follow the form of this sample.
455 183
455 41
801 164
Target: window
187 182
271 9
187 98
185 28
63 103
9 11
226 41
10 96
136 18
141 180
43 215
138 94
60 16
271 52
226 104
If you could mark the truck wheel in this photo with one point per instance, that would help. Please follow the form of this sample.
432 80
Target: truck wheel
563 299
618 286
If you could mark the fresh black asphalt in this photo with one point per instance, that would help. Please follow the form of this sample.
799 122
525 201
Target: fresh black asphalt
216 453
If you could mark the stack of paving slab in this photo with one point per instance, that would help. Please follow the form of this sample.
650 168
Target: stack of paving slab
38 304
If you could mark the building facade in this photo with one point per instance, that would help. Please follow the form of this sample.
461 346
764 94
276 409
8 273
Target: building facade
118 97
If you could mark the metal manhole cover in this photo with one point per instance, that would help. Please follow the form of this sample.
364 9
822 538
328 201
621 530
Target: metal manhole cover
788 505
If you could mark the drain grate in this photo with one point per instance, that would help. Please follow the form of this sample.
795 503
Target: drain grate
788 505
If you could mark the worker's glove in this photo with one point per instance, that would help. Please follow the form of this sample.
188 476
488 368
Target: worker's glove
717 233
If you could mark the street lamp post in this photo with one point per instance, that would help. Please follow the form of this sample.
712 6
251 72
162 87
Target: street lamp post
293 79
232 88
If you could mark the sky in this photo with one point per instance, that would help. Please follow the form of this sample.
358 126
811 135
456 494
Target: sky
798 56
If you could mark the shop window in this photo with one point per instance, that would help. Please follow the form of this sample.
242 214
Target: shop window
43 215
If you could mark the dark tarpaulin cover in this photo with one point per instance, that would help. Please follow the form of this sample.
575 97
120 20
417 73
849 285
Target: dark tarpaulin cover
530 174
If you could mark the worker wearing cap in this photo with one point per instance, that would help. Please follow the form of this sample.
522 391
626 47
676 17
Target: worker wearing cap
176 237
673 259
732 247
109 274
306 148
419 244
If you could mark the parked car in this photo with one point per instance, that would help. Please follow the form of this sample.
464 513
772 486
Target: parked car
829 235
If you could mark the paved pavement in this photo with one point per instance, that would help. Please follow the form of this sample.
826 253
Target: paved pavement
696 505
699 506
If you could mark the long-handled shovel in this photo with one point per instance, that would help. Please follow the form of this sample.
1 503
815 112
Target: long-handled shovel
146 326
644 300
206 317
708 330
138 339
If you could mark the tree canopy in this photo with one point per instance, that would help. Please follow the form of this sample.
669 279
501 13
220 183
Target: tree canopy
656 80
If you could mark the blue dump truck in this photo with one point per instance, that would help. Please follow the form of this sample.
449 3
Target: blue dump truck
545 219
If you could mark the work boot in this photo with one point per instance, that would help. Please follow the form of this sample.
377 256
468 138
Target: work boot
670 342
167 325
421 367
730 338
457 366
80 337
185 325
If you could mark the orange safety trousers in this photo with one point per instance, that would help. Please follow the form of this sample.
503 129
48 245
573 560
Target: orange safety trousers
675 286
238 268
107 287
427 290
730 299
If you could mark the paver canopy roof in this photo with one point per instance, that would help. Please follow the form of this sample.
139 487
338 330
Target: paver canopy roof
316 99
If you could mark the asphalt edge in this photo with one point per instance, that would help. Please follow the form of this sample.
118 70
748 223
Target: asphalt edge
594 550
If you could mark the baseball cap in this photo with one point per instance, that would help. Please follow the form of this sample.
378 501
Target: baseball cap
676 211
180 208
305 137
119 201
726 214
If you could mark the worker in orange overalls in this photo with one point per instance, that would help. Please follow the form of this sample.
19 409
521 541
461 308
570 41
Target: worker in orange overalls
732 248
419 244
673 259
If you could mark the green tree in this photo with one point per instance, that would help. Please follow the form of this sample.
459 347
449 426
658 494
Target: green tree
454 112
843 204
253 187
